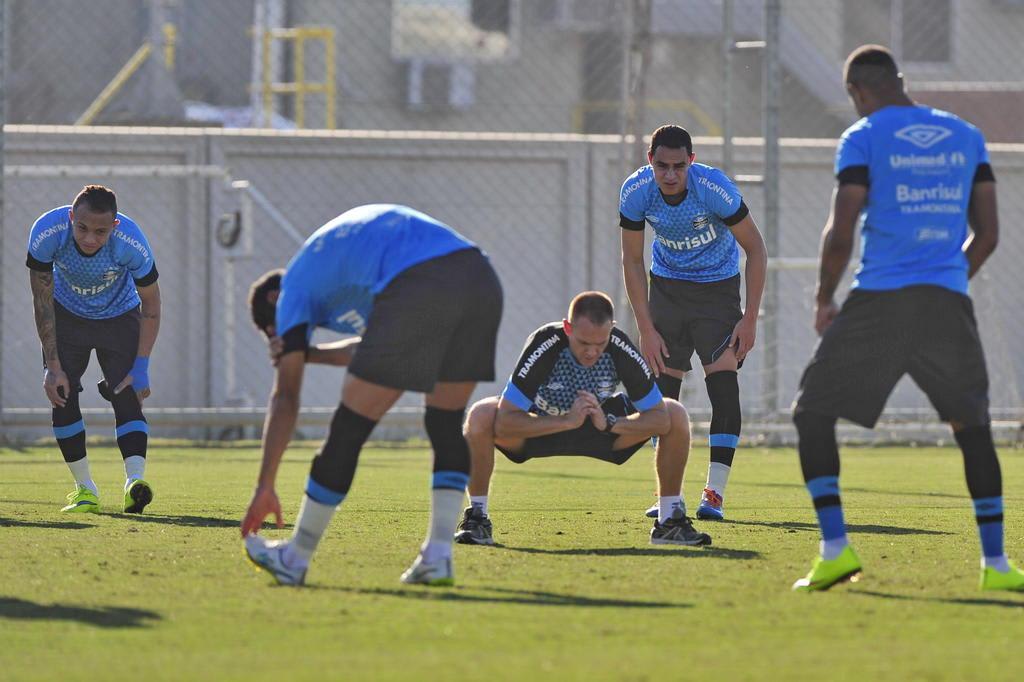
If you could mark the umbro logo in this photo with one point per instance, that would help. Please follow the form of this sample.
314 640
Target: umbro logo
922 135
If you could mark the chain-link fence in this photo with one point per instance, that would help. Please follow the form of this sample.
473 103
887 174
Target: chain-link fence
245 124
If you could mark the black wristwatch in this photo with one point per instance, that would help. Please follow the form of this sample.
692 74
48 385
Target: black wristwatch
609 422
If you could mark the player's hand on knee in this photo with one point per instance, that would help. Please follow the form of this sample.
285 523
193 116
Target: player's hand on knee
743 336
56 386
654 350
138 378
264 503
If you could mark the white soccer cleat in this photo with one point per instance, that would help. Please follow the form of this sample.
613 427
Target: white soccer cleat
269 556
437 573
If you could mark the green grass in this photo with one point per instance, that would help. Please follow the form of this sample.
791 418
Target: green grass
574 592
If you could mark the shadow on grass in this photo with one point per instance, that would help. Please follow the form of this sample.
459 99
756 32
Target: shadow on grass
685 552
190 521
552 474
974 601
507 596
57 525
902 493
871 528
104 617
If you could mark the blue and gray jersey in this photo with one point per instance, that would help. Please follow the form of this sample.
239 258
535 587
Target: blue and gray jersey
919 165
93 286
332 280
692 240
547 376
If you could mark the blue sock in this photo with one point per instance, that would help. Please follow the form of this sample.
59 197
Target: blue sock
825 493
988 512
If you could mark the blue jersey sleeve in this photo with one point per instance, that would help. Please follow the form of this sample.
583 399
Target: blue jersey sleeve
633 195
45 236
136 255
979 138
294 307
853 149
719 193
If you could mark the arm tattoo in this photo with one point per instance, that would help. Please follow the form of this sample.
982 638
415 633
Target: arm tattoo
46 322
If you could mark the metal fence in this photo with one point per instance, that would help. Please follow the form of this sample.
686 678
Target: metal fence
514 120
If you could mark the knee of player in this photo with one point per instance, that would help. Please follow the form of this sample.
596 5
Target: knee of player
677 418
480 418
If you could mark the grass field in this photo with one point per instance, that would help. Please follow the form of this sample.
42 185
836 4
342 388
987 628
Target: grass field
574 591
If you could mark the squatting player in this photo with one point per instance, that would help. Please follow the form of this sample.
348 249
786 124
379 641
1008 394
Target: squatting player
915 177
698 217
561 400
94 288
436 304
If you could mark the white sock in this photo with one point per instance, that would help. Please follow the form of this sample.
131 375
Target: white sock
313 520
1000 563
479 502
80 470
830 549
718 476
445 505
134 468
667 504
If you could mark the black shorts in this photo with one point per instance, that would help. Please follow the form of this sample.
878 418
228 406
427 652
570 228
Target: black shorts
436 321
584 441
927 332
115 340
692 316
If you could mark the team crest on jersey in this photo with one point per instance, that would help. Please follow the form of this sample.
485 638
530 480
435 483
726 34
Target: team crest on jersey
605 387
702 222
923 135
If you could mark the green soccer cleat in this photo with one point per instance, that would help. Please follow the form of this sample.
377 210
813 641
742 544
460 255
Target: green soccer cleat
1013 580
136 496
82 501
824 574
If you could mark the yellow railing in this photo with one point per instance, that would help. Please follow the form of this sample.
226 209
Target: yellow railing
704 119
122 77
299 88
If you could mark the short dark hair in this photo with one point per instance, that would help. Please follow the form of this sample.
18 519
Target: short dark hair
596 306
263 311
98 198
872 67
673 137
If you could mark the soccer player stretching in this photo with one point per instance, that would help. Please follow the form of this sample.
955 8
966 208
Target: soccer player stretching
80 258
561 400
917 176
698 218
436 304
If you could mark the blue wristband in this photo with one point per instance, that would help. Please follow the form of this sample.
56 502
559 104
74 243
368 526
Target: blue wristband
140 374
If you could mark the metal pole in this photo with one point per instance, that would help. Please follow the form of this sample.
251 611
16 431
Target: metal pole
641 56
728 43
772 86
624 98
626 164
3 120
